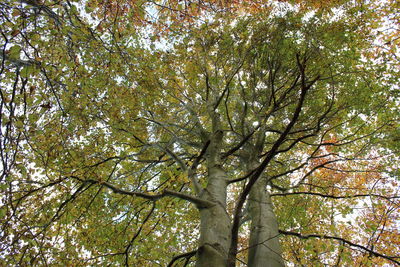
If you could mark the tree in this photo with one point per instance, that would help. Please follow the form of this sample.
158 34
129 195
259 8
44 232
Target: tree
209 134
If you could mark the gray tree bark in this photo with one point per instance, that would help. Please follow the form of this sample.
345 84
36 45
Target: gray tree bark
264 247
215 223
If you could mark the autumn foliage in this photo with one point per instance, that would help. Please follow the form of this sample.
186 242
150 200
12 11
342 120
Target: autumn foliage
170 133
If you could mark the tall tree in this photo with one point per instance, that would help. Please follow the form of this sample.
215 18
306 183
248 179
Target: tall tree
210 133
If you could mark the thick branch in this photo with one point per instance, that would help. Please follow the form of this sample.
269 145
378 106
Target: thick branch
175 157
186 255
200 203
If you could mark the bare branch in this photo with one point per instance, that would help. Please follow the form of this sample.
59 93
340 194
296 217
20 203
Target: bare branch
240 144
200 203
376 254
335 197
186 255
192 169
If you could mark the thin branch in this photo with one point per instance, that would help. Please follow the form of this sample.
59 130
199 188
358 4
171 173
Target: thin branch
192 170
175 157
240 144
127 249
46 9
19 62
269 156
376 254
334 197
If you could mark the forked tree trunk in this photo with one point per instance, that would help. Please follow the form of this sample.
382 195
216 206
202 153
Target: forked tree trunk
216 223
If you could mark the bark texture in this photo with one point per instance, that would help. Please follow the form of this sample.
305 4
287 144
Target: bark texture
215 223
264 247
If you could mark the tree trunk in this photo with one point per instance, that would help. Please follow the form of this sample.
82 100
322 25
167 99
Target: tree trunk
264 247
215 223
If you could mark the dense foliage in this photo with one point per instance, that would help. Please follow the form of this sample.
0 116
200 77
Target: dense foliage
124 122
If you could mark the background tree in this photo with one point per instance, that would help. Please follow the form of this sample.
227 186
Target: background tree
257 134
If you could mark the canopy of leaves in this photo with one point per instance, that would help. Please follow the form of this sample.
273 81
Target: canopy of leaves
105 107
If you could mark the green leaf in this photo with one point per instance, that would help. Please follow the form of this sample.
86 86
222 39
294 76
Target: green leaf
14 52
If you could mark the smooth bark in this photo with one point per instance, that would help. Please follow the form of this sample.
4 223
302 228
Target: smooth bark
264 247
215 223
